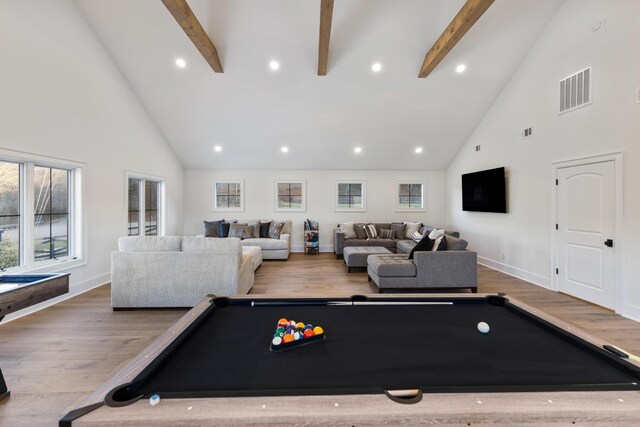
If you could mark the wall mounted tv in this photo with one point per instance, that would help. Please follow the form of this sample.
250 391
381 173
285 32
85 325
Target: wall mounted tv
484 191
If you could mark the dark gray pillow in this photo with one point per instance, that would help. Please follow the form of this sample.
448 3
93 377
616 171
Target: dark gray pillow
362 235
398 230
275 229
264 229
443 244
212 228
224 229
424 245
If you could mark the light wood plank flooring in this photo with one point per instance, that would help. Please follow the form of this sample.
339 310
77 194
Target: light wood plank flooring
55 357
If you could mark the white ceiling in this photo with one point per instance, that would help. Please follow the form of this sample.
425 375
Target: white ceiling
251 111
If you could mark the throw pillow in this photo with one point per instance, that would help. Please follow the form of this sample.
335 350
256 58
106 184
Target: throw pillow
264 229
212 228
241 231
275 229
437 236
398 230
386 233
360 233
224 229
426 229
370 229
348 230
411 227
442 244
424 245
417 236
256 228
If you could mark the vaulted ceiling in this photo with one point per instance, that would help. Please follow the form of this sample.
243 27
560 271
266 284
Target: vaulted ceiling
252 111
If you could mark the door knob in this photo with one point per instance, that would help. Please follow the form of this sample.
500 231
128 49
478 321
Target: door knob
609 243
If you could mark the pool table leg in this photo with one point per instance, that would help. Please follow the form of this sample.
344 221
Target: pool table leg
4 393
474 290
368 278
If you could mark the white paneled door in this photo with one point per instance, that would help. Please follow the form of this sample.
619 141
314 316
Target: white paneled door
586 226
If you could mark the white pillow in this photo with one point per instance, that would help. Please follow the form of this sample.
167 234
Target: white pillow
416 236
411 227
436 236
348 230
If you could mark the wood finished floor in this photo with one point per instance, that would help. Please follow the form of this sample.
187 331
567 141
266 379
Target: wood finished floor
54 358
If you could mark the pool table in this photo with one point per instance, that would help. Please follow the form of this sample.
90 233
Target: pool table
384 359
18 291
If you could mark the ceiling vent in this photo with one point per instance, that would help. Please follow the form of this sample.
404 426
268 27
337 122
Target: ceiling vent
575 91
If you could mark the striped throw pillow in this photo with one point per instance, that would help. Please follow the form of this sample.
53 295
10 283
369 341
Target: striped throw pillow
370 229
386 233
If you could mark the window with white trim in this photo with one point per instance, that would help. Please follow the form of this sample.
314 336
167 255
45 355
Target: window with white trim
145 207
410 196
40 212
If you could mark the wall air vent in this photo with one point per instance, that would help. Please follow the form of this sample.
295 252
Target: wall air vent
575 90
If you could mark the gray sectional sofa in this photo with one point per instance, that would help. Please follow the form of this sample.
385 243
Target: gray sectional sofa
453 268
395 245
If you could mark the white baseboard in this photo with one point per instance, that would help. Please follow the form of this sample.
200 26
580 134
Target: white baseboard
631 311
325 248
527 276
74 289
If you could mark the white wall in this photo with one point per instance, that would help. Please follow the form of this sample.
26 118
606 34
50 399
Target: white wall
611 123
320 189
62 96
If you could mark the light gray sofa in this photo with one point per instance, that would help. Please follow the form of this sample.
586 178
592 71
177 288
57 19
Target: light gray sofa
454 268
396 245
174 271
273 248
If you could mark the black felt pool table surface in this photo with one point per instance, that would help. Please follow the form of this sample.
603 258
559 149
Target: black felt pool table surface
371 348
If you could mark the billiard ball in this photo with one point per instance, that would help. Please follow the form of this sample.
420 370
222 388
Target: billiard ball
308 333
282 322
292 323
276 341
287 338
309 326
318 330
483 327
297 335
300 325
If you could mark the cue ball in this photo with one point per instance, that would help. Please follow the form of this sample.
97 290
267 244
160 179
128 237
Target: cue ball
483 327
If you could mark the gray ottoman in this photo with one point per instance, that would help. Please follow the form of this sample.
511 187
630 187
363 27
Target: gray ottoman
356 256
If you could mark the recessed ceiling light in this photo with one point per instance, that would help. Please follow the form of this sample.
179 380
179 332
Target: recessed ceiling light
460 68
274 65
376 67
419 150
284 149
358 149
181 63
217 148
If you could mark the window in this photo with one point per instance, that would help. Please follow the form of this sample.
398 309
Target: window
289 196
410 196
350 196
51 212
228 196
40 212
10 214
144 211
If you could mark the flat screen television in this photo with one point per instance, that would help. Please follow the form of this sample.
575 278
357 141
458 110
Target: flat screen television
484 191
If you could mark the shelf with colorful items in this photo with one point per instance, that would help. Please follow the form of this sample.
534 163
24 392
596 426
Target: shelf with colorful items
311 240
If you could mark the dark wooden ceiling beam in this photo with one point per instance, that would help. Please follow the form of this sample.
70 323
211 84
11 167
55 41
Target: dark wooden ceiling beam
191 26
463 21
326 14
